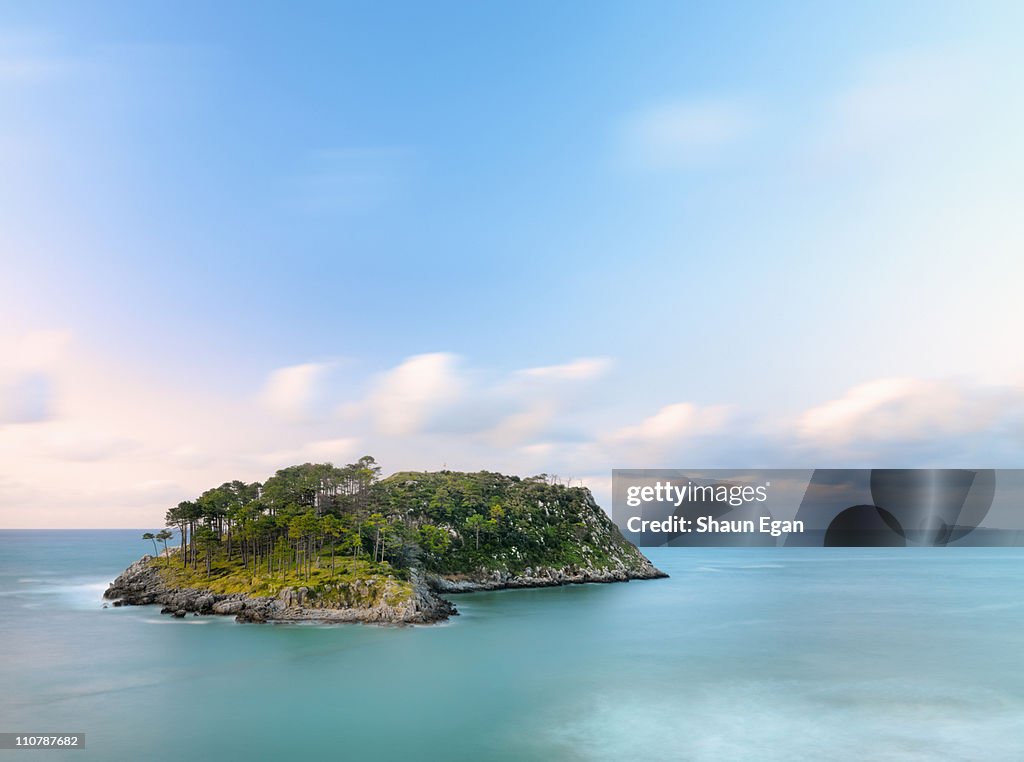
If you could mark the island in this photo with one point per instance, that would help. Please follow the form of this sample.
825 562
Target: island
326 543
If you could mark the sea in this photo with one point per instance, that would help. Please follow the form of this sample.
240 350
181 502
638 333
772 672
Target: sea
742 654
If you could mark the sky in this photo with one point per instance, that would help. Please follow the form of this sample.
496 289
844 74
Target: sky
524 237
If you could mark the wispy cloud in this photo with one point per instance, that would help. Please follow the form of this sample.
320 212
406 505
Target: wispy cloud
896 413
297 391
440 394
583 369
681 420
683 134
421 389
30 57
435 409
899 99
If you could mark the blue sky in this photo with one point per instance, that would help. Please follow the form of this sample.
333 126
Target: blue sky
526 237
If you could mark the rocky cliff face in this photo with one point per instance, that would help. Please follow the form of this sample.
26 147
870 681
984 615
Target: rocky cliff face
371 600
603 556
505 531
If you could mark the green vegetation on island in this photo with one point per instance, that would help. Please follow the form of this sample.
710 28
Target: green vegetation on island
348 539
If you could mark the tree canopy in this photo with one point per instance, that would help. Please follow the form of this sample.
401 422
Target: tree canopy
308 515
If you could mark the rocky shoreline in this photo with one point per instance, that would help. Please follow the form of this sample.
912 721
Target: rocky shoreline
540 577
141 584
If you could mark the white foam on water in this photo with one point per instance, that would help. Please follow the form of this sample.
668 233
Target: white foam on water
86 595
897 719
176 620
74 592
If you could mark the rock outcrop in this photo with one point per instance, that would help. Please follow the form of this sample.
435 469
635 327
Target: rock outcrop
371 600
540 577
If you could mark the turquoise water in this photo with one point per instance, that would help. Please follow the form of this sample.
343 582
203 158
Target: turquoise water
744 654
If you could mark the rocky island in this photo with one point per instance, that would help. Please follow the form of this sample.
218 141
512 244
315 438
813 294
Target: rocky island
318 542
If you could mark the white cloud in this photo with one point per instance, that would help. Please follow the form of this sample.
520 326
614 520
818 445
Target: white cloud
525 424
295 392
905 409
676 422
407 398
898 99
435 410
534 400
679 430
583 369
682 134
436 394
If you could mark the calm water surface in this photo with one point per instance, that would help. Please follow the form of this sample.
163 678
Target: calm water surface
744 654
